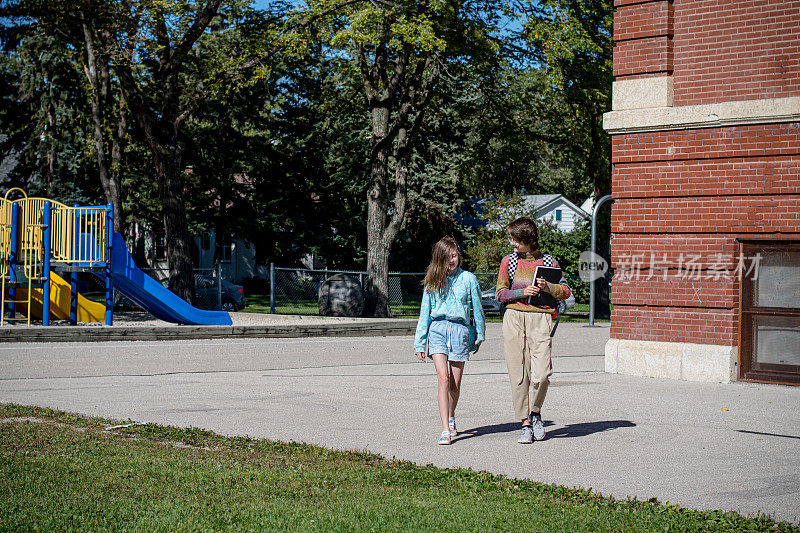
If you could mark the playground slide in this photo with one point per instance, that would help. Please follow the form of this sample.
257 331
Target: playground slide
152 296
88 311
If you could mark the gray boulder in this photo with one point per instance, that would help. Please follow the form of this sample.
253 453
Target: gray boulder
340 295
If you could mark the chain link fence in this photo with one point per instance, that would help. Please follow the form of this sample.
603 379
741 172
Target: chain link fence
295 290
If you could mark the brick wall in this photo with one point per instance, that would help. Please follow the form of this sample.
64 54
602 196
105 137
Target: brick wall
642 38
728 50
716 50
682 198
675 324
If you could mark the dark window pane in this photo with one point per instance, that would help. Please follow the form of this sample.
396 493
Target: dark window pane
777 340
778 283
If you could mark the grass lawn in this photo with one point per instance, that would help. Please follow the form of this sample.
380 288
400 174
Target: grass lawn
259 303
65 472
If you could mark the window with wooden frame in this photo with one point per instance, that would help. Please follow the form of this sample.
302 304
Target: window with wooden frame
769 341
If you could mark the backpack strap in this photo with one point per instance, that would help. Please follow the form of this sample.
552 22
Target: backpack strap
512 267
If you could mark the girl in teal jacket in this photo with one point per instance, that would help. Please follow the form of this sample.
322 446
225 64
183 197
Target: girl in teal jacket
449 297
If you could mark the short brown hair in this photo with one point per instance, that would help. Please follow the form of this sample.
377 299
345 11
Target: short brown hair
524 230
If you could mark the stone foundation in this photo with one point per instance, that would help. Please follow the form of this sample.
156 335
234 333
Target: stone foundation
673 360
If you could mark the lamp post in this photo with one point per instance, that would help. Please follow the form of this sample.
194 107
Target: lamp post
596 208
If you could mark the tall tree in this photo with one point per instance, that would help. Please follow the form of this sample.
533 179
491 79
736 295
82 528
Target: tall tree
147 44
109 116
400 48
152 41
44 106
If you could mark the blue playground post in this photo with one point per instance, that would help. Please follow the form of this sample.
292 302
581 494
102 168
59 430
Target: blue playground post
12 264
47 219
109 279
76 240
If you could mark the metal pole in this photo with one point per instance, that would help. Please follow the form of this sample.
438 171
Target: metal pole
219 285
76 256
109 266
12 263
272 288
47 219
600 202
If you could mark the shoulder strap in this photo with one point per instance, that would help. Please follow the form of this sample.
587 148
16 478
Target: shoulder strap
512 267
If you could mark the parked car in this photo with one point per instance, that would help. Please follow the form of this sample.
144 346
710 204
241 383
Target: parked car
205 294
489 304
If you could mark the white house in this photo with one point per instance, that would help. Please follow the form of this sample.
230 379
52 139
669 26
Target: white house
545 207
555 208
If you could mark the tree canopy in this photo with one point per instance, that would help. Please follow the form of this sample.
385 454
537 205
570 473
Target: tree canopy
356 130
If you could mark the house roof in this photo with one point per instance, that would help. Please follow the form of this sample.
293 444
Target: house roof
541 202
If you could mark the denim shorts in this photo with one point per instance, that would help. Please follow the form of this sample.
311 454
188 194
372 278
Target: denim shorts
449 338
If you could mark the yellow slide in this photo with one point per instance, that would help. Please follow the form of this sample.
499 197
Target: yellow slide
88 311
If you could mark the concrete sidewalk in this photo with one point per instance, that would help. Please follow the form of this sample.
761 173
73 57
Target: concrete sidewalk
700 445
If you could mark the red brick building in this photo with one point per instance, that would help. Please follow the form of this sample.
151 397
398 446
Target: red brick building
705 129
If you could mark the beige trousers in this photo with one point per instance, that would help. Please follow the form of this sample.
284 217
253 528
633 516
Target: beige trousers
527 341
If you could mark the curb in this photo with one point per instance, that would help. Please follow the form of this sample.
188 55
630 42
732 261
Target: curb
378 328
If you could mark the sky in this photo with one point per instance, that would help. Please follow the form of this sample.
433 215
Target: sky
511 25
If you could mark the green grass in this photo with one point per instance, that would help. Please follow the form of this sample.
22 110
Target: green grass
60 471
259 303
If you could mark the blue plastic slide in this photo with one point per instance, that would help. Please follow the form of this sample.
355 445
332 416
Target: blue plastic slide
152 296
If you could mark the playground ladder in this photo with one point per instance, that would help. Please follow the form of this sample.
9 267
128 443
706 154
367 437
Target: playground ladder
5 253
29 250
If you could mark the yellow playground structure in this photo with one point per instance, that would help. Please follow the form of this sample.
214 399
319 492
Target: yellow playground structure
44 244
38 235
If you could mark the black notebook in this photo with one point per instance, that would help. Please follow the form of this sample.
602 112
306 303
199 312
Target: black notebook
545 299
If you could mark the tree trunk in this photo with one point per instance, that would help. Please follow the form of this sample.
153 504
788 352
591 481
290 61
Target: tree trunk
376 298
173 210
377 284
221 224
99 82
400 89
118 143
161 136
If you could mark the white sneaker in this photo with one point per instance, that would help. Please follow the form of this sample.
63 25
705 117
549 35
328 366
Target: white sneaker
537 426
525 435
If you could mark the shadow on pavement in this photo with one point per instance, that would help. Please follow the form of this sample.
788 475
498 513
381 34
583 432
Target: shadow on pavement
587 428
572 430
508 427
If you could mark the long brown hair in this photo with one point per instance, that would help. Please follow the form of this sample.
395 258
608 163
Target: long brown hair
436 274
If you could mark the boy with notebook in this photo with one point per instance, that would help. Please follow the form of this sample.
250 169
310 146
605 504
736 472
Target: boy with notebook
530 303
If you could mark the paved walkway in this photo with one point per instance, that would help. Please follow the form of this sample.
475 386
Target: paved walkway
706 446
133 325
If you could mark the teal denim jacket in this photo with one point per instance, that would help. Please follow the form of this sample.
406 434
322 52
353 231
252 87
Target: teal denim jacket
460 290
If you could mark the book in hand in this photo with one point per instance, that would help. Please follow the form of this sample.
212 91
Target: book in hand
545 299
